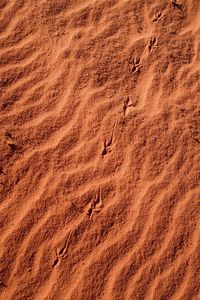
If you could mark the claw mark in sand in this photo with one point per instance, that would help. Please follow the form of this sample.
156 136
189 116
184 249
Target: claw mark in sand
197 140
96 205
108 144
153 43
177 4
62 253
157 17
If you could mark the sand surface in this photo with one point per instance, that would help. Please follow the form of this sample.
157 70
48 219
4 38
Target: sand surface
99 149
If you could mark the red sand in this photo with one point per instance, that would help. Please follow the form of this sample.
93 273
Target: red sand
100 149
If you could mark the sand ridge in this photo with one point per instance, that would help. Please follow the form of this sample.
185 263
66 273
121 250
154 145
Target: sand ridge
100 149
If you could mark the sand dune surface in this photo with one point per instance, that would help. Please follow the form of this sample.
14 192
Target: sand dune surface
99 150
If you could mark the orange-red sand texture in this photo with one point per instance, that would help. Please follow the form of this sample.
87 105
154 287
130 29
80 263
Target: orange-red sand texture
99 149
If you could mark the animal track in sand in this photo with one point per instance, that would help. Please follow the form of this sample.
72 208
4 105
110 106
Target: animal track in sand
128 105
136 65
177 4
62 253
157 17
96 205
107 146
153 43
